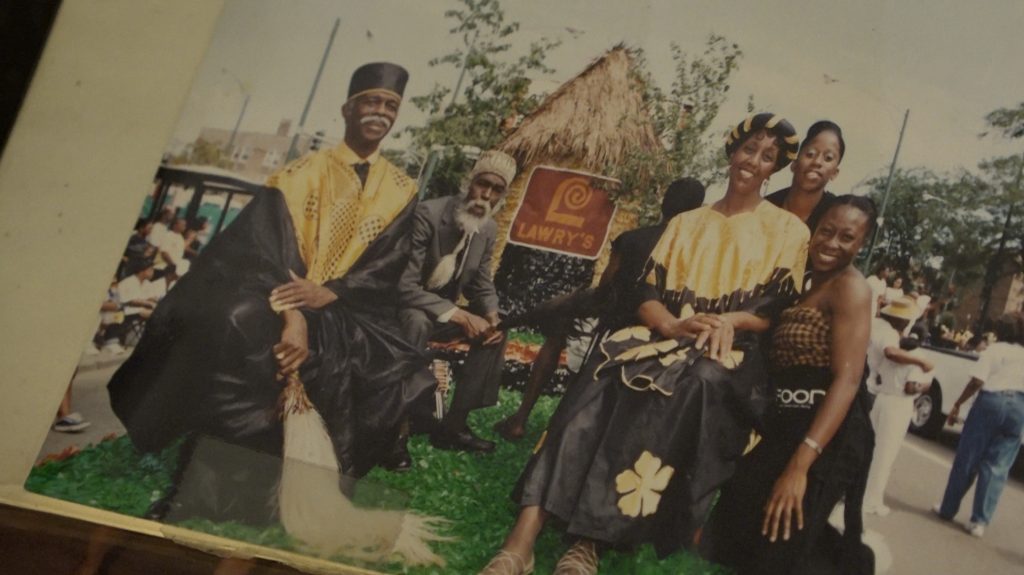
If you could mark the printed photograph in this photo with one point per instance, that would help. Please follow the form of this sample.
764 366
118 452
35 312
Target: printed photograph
503 287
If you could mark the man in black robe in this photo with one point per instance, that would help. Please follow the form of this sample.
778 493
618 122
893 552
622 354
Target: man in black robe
300 284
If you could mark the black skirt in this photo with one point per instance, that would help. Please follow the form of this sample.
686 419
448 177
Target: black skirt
733 536
631 464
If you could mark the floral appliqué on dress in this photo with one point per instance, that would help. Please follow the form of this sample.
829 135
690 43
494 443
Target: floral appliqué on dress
642 485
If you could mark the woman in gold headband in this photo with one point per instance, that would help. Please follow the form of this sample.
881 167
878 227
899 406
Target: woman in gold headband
636 451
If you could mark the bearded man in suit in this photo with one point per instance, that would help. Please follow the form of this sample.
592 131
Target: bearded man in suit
450 261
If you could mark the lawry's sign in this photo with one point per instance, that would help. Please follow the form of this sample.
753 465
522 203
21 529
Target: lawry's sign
564 211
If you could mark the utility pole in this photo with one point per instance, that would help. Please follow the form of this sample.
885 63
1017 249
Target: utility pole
292 152
238 122
241 114
885 196
434 154
462 72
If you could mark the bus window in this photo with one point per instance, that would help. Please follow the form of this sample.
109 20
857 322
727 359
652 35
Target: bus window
238 201
211 208
177 198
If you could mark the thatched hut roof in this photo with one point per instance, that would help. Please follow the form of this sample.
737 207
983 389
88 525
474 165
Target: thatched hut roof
591 121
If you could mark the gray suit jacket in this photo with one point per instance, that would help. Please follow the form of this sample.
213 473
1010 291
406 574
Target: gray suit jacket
435 234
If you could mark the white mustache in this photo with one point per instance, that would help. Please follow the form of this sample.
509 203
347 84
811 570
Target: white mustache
375 118
470 222
481 203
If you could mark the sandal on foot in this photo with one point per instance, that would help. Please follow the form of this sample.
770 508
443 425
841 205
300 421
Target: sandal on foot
508 563
580 559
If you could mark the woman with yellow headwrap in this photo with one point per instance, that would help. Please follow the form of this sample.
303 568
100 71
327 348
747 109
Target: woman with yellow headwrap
664 409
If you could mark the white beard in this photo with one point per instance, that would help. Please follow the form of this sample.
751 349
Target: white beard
471 223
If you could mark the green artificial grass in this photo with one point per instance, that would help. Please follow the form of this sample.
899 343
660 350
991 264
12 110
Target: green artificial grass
111 475
472 491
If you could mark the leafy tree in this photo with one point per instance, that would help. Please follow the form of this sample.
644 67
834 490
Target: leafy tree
955 230
1009 121
936 227
492 93
682 119
1005 176
404 159
202 153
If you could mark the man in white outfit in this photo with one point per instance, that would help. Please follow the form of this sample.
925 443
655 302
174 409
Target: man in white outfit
878 282
902 376
172 249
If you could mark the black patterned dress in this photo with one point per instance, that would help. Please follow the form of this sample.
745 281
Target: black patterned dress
640 444
800 369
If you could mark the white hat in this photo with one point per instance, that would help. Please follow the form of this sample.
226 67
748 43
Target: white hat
495 162
902 308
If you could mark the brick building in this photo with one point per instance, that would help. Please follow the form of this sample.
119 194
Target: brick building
256 155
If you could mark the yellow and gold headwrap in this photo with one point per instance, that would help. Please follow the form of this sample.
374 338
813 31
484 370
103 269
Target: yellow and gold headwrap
789 141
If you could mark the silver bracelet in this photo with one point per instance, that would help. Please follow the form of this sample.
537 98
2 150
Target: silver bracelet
813 444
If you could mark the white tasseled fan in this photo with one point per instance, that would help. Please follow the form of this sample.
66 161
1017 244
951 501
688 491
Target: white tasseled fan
314 510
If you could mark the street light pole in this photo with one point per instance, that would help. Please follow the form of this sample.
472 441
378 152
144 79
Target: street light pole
292 152
238 122
885 196
462 72
241 114
427 172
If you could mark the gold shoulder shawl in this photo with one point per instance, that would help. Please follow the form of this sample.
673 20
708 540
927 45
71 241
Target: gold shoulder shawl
335 217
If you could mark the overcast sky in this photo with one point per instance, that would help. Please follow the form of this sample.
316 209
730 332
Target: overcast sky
950 62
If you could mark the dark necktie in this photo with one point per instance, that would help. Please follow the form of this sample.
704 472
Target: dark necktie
362 170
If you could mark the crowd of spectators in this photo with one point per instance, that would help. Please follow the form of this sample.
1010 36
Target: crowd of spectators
935 323
899 374
159 252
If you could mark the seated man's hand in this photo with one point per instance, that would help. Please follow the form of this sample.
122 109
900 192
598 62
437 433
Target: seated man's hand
472 325
293 349
300 293
494 335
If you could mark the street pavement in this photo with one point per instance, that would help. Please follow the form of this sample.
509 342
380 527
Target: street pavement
920 543
89 398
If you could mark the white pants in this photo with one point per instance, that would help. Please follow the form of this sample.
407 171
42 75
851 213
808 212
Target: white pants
890 417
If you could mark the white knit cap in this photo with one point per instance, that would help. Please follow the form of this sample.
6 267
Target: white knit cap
495 162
